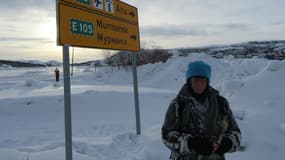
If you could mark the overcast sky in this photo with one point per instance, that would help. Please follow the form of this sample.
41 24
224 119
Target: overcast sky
28 27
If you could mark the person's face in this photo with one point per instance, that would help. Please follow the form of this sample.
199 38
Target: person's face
199 84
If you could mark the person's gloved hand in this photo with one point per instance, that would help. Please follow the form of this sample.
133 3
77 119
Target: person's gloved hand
201 145
184 147
225 146
173 136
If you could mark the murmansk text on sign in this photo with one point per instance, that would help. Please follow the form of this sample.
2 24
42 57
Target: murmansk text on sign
85 23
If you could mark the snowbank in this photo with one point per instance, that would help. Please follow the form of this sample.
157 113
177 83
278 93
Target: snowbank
103 116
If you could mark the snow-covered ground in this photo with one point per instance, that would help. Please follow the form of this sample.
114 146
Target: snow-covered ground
103 114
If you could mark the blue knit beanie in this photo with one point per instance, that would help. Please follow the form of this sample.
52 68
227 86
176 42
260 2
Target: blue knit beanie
200 69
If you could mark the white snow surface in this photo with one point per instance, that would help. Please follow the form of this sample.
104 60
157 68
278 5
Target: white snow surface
103 112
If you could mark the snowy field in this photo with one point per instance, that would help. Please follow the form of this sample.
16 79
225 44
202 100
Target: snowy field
103 114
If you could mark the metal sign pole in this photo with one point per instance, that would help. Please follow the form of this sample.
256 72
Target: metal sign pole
67 104
72 63
136 94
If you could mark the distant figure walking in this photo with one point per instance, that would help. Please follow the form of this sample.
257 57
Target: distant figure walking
56 75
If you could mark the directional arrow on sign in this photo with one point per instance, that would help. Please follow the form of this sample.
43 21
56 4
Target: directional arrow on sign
132 14
134 37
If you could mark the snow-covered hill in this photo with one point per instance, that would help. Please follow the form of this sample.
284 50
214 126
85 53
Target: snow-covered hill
103 116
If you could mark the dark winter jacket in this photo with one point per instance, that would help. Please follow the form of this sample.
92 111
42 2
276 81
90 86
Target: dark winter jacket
199 116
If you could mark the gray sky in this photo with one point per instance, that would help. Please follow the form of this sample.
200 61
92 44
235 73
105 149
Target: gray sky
28 27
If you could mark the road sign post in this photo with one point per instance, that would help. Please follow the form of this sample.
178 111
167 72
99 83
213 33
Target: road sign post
136 93
103 24
67 104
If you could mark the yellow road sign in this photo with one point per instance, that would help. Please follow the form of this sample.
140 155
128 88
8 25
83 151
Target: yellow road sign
81 24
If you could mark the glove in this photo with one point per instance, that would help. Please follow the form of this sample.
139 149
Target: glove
184 147
173 136
201 145
225 146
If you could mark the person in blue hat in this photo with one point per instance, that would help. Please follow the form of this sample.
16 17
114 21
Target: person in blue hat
199 124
